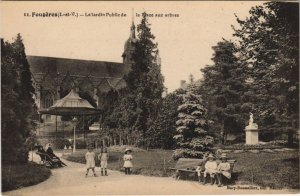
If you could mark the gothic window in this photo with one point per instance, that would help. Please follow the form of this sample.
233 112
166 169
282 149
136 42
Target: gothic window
47 99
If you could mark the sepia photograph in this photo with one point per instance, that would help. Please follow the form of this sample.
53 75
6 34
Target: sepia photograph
149 98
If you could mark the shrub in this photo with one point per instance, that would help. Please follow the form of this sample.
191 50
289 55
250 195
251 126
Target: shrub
18 176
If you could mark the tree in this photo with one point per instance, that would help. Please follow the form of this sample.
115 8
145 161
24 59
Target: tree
223 90
26 90
17 104
191 127
139 102
164 126
269 45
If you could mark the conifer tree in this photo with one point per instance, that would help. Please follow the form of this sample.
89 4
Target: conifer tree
17 104
191 132
145 83
223 90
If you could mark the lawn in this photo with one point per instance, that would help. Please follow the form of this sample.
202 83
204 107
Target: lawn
275 170
150 163
18 176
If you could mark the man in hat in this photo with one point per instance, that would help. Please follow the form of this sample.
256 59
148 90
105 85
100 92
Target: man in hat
210 168
223 169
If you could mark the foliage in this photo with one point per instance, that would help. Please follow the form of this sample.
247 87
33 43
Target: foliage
17 102
164 126
18 176
137 105
191 127
269 46
223 90
31 141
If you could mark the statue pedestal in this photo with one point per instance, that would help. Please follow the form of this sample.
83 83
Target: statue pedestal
251 136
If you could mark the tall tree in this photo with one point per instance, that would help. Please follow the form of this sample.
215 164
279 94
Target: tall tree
27 104
223 89
269 45
145 82
17 104
192 136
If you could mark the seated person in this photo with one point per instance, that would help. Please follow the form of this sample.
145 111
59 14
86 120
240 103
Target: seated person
42 153
50 151
53 156
223 170
201 168
210 168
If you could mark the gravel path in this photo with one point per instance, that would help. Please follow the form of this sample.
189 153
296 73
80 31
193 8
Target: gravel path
71 180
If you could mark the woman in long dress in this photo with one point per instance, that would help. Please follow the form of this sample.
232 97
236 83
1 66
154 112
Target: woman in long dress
127 161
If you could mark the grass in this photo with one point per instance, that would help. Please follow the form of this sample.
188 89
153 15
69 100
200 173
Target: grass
18 176
275 170
150 163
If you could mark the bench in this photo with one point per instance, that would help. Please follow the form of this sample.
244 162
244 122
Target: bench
185 168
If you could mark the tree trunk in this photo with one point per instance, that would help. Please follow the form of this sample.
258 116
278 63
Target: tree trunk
290 138
222 135
128 140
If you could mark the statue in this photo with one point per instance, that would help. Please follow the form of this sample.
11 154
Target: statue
251 132
251 124
251 119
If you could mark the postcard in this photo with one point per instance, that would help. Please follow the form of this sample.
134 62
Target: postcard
149 98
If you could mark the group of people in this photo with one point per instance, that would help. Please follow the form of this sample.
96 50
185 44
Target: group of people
216 171
49 156
103 157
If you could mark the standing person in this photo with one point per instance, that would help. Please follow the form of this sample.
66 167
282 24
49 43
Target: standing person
90 161
127 161
223 170
103 157
211 169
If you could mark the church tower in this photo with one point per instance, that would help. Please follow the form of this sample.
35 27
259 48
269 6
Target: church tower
129 46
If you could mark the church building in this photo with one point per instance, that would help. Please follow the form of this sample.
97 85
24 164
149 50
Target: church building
53 78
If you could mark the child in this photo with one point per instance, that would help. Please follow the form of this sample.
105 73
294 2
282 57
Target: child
127 161
223 170
90 161
211 169
103 157
201 168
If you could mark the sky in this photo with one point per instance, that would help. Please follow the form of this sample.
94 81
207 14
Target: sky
184 42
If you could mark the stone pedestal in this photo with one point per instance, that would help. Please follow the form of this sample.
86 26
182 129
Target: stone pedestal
251 136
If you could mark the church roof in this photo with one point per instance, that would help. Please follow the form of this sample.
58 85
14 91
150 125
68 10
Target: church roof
103 75
41 64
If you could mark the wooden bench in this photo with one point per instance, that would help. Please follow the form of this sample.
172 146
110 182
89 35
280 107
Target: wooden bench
185 168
